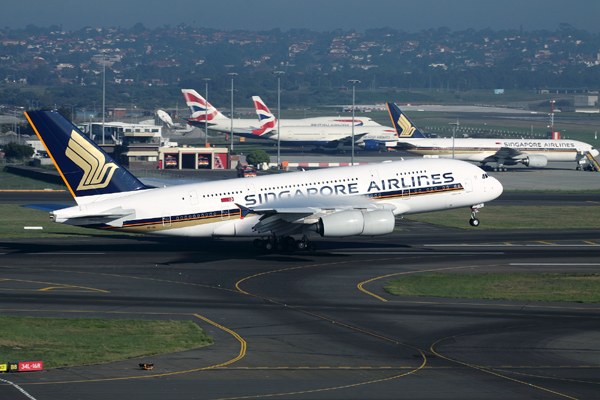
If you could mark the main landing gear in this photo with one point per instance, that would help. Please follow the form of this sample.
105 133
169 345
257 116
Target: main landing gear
284 244
474 210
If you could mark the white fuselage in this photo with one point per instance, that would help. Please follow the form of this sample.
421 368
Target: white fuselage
317 130
480 149
211 208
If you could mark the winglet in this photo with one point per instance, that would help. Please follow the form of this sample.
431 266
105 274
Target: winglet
404 127
86 169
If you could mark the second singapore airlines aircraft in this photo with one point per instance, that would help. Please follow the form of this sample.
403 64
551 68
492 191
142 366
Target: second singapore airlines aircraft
501 152
339 202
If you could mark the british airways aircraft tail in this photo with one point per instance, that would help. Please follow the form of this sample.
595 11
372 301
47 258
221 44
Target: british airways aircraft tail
404 127
86 169
200 110
266 119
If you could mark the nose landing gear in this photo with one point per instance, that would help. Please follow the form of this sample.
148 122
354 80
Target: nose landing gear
474 210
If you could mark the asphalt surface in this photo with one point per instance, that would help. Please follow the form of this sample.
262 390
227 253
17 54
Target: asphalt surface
314 325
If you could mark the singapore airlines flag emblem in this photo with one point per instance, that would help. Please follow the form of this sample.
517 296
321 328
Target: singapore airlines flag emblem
96 172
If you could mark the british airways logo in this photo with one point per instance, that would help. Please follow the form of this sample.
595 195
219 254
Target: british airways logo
96 171
199 107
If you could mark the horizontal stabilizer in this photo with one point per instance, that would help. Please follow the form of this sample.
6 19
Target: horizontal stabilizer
48 207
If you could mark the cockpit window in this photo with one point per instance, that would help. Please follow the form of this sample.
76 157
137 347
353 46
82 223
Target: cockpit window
484 176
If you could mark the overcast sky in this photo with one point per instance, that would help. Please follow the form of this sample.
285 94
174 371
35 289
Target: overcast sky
317 15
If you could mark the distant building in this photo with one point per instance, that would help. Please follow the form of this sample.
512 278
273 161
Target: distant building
585 101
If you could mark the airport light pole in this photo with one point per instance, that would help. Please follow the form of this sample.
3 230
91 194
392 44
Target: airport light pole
278 74
103 91
206 112
232 74
454 127
353 82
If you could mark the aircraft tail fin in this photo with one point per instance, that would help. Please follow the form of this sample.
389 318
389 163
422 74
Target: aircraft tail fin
266 119
200 109
404 127
86 169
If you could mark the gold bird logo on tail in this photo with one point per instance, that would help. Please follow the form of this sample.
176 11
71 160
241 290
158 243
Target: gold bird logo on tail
96 172
406 126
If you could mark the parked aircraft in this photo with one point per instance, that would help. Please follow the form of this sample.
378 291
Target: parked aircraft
499 152
323 131
339 202
216 120
326 132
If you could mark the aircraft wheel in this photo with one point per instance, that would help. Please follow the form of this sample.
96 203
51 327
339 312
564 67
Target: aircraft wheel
495 169
289 248
258 243
312 247
474 222
300 245
267 245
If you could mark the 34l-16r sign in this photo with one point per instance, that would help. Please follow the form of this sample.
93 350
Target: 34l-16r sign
25 366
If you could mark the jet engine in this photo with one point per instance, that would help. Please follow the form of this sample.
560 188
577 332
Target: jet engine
370 144
535 161
354 222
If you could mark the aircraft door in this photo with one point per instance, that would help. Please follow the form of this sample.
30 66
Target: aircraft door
249 189
225 206
193 197
468 185
166 220
405 194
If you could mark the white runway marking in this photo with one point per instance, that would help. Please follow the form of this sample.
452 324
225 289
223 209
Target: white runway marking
558 264
436 253
19 389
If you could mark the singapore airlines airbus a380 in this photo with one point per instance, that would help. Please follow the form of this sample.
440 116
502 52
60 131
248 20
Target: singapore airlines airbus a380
340 202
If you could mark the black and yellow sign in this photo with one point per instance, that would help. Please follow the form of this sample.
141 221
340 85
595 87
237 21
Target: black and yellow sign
3 367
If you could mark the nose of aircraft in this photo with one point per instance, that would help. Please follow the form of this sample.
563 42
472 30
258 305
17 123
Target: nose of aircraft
495 187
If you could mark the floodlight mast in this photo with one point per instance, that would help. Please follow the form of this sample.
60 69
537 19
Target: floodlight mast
278 74
206 113
353 82
232 74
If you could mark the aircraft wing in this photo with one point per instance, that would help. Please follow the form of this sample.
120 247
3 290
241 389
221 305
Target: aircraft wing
405 145
289 219
506 153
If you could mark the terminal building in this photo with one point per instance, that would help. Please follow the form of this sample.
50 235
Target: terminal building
141 146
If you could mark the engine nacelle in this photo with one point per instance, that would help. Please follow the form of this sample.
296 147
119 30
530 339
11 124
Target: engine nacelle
380 222
354 222
535 161
340 224
370 144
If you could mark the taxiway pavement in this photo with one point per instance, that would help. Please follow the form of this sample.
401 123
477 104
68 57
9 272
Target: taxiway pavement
314 325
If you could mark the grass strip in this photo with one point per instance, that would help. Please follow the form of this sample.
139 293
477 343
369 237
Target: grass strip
10 181
583 288
61 342
517 217
14 218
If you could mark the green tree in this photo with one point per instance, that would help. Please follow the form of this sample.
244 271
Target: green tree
258 157
16 150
